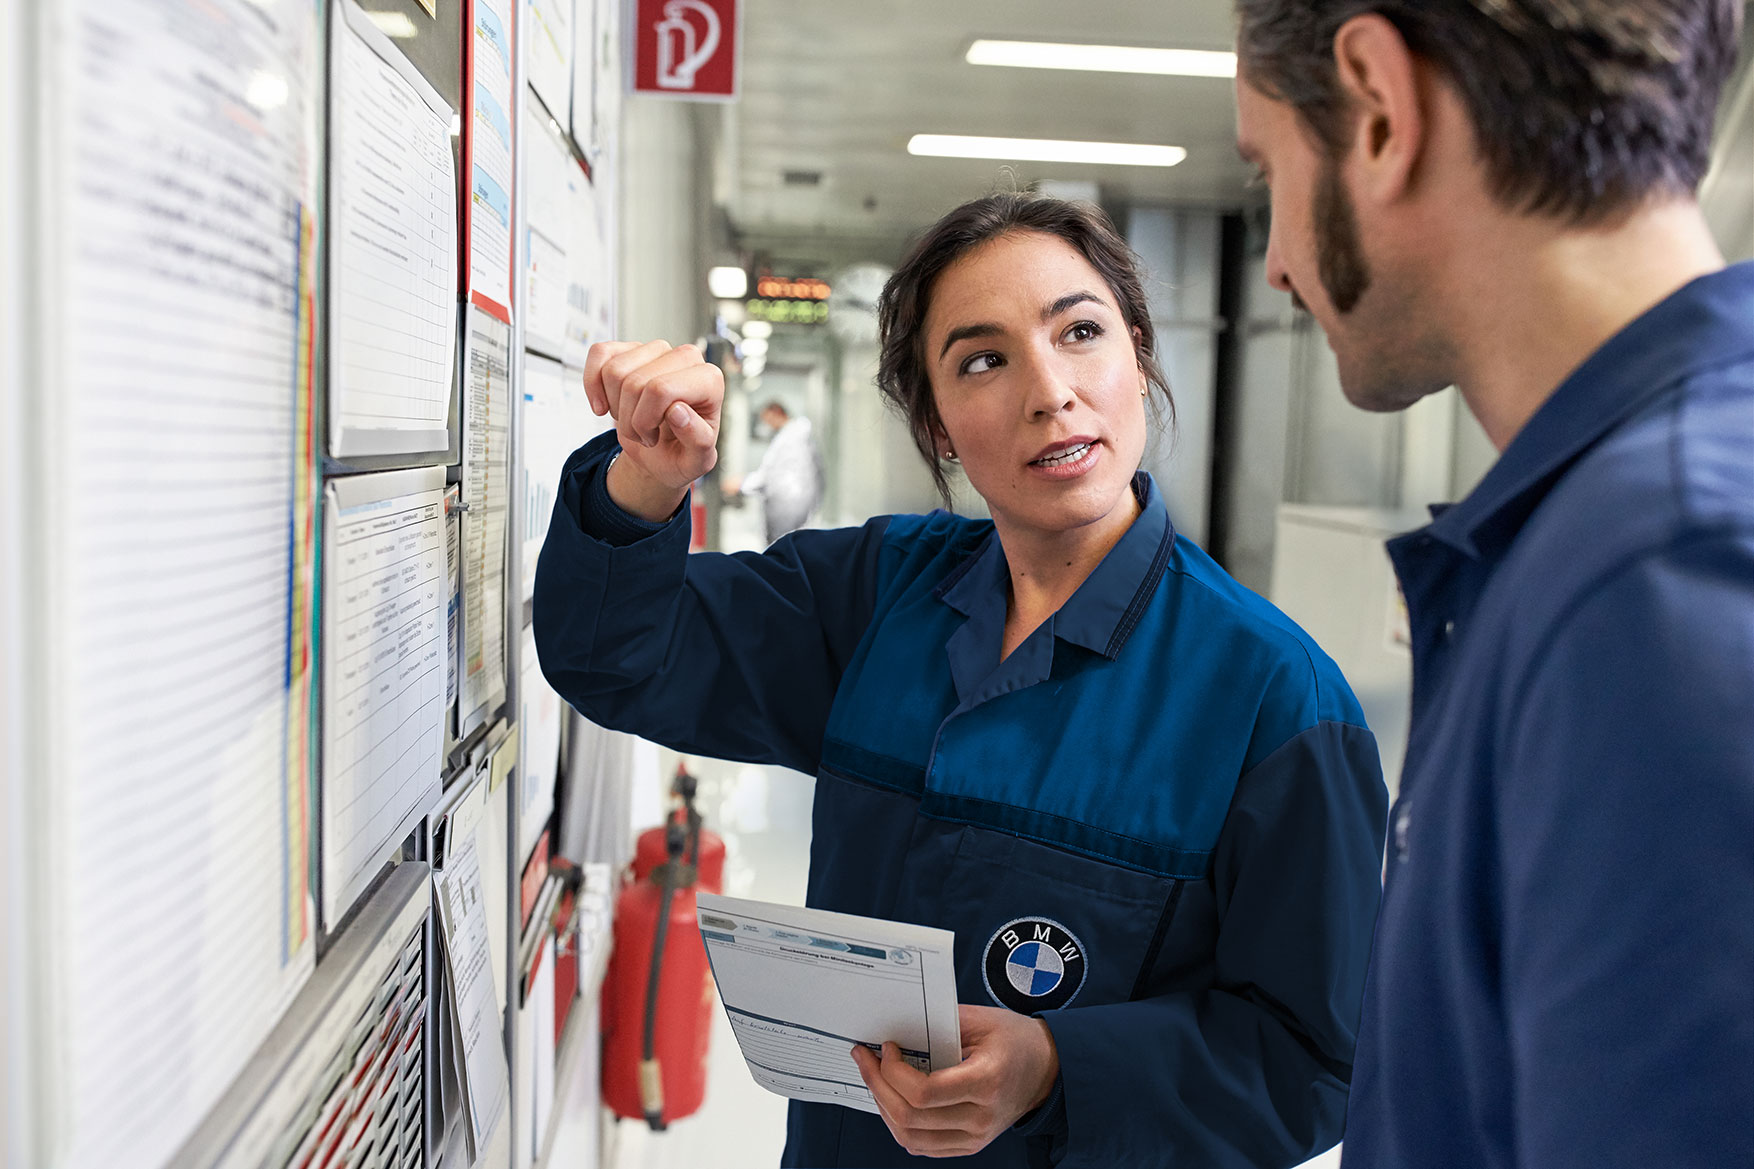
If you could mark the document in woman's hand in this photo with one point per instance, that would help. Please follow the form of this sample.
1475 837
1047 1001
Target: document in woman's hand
802 986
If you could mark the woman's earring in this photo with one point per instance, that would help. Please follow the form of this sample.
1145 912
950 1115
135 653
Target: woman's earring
950 456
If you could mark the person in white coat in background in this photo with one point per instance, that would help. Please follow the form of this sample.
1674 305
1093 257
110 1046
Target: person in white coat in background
790 478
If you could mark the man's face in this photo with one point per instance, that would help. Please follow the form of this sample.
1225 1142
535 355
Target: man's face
1316 252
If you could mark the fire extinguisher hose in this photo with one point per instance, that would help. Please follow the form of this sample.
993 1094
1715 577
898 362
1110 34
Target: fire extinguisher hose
651 1080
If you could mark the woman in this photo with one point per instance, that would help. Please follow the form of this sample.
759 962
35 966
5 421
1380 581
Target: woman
1144 800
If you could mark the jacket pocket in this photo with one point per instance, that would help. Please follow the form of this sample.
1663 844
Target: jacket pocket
1039 928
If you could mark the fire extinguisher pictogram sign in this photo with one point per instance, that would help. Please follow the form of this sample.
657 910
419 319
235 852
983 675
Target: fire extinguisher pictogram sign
687 48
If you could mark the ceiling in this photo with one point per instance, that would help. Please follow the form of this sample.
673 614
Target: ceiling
837 87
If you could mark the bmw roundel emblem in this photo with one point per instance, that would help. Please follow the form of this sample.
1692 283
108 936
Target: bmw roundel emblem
1033 964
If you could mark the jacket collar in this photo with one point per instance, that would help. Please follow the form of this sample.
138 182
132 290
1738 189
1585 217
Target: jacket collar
1102 613
1703 324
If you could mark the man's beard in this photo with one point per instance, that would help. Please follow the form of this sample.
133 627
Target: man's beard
1377 372
1339 259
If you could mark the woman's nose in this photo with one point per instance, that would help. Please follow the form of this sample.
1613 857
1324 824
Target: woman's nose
1049 392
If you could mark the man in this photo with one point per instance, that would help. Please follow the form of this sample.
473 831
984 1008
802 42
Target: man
1499 194
789 479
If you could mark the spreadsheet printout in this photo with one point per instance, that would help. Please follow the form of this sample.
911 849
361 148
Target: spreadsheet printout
173 351
802 986
486 489
383 671
393 249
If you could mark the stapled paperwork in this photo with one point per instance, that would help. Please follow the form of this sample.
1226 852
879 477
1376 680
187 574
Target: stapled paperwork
801 986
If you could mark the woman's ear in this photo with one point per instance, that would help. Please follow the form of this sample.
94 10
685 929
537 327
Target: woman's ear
941 445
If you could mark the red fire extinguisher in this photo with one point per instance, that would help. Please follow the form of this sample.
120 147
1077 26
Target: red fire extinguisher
657 992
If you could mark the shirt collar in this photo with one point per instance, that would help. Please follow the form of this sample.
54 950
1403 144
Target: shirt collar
1102 613
1703 324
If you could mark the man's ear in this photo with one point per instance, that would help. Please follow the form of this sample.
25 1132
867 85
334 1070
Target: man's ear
1381 79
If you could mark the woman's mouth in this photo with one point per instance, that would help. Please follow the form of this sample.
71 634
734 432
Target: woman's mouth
1068 462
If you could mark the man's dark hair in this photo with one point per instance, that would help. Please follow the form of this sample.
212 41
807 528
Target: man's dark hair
1583 108
901 310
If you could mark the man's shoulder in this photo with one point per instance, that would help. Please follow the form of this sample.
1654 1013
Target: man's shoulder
1681 469
1677 475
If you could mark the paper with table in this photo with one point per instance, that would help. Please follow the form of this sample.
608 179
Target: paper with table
486 489
384 671
393 248
174 929
801 986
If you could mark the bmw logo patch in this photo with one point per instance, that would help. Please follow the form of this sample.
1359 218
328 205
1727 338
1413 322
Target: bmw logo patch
1033 964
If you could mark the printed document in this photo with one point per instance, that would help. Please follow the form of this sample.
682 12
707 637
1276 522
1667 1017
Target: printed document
174 930
393 248
384 671
463 917
802 986
487 490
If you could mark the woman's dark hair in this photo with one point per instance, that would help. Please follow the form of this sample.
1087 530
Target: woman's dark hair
1582 108
901 310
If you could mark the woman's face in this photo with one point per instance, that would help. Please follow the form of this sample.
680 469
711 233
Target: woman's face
1037 384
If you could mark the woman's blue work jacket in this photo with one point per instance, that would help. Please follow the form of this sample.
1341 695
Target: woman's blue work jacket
1168 773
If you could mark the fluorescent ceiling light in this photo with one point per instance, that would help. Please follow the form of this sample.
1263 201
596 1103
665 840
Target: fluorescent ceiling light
1044 150
1103 58
727 283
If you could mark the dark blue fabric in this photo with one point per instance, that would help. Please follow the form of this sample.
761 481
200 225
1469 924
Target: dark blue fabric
1168 769
1564 966
599 515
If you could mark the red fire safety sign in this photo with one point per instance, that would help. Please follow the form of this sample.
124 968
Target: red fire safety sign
686 48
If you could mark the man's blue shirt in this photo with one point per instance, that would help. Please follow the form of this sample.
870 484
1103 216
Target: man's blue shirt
1564 962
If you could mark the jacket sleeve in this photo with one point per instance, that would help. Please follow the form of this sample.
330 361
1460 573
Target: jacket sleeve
1625 828
1253 1071
735 656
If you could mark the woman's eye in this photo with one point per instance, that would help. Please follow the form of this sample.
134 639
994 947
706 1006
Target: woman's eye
1084 331
980 363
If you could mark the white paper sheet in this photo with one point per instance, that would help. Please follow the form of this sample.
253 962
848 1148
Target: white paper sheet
383 671
486 489
588 278
539 743
547 166
393 248
802 986
463 913
491 106
549 39
557 420
179 156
